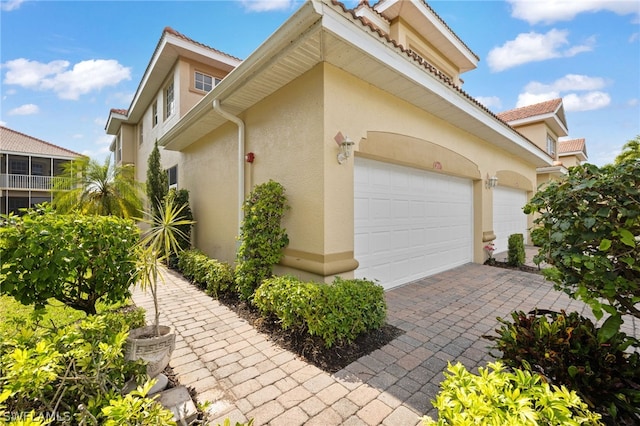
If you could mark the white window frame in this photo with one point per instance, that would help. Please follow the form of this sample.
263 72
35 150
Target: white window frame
551 146
200 81
170 100
154 113
174 184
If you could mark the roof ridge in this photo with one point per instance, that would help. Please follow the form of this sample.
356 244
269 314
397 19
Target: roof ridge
170 30
531 106
41 141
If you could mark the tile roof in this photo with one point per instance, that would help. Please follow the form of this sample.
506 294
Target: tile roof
571 145
169 30
119 111
13 141
541 108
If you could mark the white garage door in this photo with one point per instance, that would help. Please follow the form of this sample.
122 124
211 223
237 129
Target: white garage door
508 217
409 223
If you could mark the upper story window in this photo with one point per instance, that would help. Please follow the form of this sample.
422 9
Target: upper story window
18 166
170 100
140 133
154 113
203 82
172 175
551 146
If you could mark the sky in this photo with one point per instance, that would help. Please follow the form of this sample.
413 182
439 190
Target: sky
65 64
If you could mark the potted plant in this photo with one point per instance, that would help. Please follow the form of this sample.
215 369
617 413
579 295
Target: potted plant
156 342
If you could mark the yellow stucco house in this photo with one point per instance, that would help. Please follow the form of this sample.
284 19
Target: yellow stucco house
432 175
545 124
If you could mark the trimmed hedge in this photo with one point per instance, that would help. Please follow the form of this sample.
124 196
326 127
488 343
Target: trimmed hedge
516 254
336 312
211 275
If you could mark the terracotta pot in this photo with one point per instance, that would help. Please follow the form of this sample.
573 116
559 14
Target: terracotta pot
156 350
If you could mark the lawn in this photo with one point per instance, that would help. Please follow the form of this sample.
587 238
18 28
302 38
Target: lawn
15 315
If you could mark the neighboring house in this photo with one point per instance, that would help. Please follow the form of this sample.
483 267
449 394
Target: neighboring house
29 167
545 124
572 152
414 197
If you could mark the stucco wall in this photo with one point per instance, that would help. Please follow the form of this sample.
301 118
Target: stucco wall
356 108
284 132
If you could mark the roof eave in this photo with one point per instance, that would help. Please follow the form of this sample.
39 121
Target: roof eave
338 26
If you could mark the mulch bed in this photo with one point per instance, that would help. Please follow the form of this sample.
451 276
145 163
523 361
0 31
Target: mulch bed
506 265
312 348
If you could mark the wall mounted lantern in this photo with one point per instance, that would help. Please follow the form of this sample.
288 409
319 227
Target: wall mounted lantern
345 145
491 182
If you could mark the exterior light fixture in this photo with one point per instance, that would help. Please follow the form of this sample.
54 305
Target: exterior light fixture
345 145
491 182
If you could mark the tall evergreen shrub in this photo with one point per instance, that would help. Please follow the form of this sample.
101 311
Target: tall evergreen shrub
157 181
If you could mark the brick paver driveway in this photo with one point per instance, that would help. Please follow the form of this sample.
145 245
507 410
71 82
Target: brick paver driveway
443 316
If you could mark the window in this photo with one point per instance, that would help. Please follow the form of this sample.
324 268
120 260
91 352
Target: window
154 113
170 100
140 133
119 148
18 166
204 82
37 169
172 176
551 146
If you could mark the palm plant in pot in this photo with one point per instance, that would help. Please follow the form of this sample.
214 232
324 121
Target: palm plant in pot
156 342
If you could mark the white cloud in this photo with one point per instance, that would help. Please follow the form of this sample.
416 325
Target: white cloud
632 102
565 87
528 98
27 109
84 77
8 6
3 123
634 37
267 5
77 136
567 83
490 101
100 121
534 47
586 102
549 11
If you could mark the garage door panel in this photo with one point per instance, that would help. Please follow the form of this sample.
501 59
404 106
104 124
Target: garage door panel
427 229
508 217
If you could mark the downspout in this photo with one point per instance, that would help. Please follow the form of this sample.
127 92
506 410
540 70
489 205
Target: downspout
218 108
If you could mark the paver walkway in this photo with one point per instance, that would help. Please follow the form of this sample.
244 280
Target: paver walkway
443 316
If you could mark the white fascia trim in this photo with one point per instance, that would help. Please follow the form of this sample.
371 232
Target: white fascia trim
543 117
336 22
553 169
579 154
201 50
447 32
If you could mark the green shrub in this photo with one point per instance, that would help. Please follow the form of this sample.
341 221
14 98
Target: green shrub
499 397
262 238
538 236
335 312
49 370
569 350
76 259
181 198
209 274
515 254
592 221
136 408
